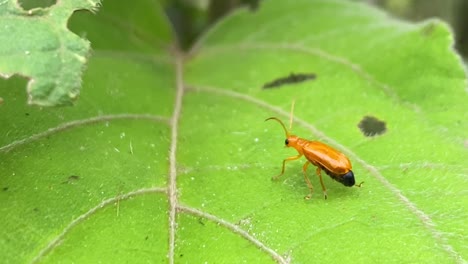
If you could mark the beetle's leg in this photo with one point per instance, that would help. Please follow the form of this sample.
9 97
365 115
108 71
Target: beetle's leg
311 189
284 164
321 182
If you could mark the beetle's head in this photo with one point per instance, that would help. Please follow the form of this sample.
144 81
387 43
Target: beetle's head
291 141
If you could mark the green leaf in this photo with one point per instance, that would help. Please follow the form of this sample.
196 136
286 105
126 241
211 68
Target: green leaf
36 43
166 156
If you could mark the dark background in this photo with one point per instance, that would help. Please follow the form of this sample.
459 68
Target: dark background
191 17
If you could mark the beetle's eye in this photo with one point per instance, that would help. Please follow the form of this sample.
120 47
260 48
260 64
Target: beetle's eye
286 142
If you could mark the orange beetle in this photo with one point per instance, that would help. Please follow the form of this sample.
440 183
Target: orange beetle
324 157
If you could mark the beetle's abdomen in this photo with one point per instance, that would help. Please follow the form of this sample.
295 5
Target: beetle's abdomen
346 179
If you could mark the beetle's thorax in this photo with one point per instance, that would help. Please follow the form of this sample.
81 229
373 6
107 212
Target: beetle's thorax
296 142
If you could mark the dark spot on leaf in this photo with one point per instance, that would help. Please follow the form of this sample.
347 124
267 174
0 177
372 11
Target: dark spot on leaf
26 114
31 4
5 188
146 238
181 255
292 78
371 126
36 209
200 220
71 179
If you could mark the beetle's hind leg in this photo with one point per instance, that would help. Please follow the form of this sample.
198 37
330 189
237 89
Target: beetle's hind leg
319 174
309 184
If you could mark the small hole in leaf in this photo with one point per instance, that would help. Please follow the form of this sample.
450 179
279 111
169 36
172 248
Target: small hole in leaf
290 79
31 4
371 126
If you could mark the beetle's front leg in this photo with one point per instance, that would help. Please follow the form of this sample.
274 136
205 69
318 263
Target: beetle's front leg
284 164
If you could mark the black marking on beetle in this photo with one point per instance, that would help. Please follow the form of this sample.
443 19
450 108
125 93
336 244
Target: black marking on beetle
371 126
291 78
346 179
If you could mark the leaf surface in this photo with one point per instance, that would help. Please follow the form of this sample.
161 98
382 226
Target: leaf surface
166 155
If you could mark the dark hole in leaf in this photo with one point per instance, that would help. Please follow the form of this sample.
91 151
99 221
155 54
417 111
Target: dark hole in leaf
291 78
371 126
31 4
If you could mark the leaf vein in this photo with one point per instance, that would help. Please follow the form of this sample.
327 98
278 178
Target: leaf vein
55 242
79 123
236 229
172 181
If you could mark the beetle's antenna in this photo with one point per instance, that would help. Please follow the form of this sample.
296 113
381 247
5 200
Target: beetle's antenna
281 123
292 113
